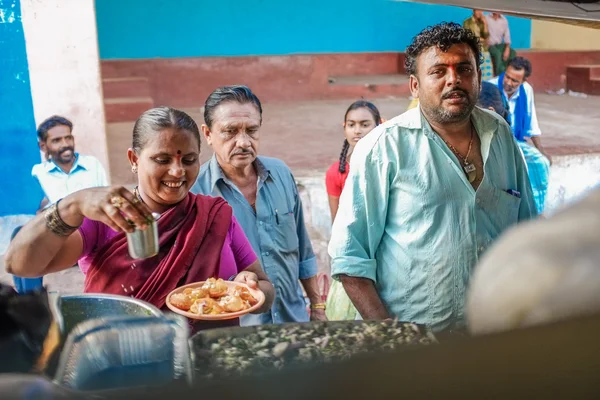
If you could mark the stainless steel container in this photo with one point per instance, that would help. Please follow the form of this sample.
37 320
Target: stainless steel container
144 243
74 309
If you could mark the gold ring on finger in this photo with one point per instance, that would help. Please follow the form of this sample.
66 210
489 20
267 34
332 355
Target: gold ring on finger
136 201
117 201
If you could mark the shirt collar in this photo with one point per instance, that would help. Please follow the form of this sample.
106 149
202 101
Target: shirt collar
217 174
51 166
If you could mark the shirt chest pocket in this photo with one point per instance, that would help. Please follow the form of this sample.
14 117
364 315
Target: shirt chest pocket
285 236
503 208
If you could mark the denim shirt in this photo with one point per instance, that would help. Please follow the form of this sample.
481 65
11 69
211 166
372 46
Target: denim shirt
276 231
410 221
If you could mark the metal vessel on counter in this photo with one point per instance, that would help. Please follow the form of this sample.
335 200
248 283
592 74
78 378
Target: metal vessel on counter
144 243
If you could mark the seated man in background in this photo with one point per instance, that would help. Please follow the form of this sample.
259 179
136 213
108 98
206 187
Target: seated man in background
64 170
519 100
63 173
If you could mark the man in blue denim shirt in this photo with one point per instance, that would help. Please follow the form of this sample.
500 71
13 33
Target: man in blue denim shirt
264 197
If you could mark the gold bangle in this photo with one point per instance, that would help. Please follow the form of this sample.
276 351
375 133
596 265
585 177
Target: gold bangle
318 306
55 223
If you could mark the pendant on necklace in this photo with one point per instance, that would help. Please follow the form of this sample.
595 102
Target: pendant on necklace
471 172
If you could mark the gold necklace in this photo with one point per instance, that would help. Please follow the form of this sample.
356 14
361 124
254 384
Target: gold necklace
468 167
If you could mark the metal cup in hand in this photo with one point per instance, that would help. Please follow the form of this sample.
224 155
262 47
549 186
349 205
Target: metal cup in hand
144 243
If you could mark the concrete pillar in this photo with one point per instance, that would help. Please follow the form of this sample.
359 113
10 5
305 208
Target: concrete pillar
49 65
64 69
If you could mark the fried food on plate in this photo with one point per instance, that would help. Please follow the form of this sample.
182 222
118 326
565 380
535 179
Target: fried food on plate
214 297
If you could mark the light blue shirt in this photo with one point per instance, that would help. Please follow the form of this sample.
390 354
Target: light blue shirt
86 172
410 221
275 230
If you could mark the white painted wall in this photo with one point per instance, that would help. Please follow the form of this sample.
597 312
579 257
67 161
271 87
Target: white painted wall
64 69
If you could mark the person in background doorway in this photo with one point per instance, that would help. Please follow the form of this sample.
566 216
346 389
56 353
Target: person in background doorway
64 170
429 191
360 118
499 42
519 100
263 194
477 23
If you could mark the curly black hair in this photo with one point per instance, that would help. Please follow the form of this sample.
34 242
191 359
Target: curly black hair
444 36
521 63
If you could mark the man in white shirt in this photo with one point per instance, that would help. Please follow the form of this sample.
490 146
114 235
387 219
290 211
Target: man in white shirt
519 100
499 42
64 170
63 173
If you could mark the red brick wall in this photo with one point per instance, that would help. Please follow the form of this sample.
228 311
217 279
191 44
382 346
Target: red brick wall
186 82
550 67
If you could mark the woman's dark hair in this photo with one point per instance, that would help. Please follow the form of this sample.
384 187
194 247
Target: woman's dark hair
521 63
491 97
158 119
235 93
49 123
444 36
355 106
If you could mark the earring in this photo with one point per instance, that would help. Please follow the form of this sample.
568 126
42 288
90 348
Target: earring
134 169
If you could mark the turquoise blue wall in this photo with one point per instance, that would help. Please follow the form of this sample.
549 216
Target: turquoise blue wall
194 28
18 143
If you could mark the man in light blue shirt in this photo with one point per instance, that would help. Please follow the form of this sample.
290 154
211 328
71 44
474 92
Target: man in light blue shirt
64 170
429 191
265 201
63 173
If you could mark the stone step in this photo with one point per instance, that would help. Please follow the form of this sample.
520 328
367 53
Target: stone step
584 78
368 86
124 109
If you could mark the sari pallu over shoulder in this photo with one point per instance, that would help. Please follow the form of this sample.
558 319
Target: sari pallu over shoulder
191 237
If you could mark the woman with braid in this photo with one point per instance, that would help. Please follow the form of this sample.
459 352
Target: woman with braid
361 117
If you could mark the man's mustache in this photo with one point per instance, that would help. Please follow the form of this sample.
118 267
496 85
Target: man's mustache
455 92
71 149
243 151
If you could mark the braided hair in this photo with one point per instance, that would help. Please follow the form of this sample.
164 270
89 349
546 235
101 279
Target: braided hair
355 106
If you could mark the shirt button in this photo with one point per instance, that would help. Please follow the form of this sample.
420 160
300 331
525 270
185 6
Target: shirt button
267 253
477 201
260 223
481 249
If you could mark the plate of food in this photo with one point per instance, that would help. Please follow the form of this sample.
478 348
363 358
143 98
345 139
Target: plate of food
214 299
